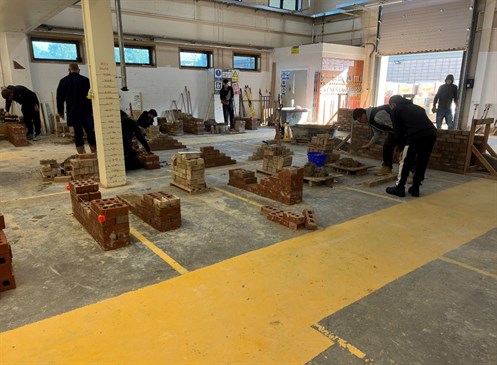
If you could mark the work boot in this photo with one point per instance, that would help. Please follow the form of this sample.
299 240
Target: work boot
93 149
36 137
29 136
396 190
414 190
81 150
385 170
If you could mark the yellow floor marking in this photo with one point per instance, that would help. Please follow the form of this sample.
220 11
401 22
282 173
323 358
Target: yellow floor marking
342 343
258 308
174 264
445 180
33 197
238 197
372 194
469 267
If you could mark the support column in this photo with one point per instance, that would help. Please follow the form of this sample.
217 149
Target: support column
369 21
99 39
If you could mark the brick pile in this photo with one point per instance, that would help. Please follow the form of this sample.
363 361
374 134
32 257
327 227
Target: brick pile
323 143
84 166
163 142
344 119
259 152
188 171
7 280
152 132
174 128
194 125
61 128
250 123
149 162
16 134
275 158
49 169
239 126
106 220
285 187
289 219
219 128
213 157
161 210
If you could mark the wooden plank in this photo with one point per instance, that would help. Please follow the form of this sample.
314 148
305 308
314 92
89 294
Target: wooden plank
380 180
484 161
324 180
361 170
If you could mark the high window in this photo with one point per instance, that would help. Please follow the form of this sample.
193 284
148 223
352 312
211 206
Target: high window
195 59
246 62
44 49
143 56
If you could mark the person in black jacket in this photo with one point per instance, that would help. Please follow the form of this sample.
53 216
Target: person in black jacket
73 91
129 130
146 119
415 136
227 97
445 94
30 108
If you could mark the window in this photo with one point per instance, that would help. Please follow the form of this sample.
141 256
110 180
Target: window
246 62
135 55
286 4
55 50
197 59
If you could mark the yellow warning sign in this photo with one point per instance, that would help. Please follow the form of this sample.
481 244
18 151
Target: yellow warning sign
234 78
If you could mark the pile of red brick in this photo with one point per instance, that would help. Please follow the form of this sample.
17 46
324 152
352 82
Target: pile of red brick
105 219
285 187
188 171
84 166
250 123
161 210
213 157
16 133
174 128
194 125
149 162
323 143
163 142
291 220
259 153
275 158
7 280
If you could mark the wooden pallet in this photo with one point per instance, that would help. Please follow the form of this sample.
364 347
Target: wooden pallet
325 180
190 190
361 170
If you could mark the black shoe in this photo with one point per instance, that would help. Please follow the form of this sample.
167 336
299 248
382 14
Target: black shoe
396 190
29 136
414 190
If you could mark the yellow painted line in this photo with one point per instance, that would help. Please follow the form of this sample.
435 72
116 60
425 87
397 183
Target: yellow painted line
258 308
445 180
33 197
342 343
372 194
469 267
173 263
238 197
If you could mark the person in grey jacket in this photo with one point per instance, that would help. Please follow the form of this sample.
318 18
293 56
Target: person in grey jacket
380 123
445 94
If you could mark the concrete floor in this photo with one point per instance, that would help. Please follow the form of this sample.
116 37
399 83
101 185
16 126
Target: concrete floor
385 280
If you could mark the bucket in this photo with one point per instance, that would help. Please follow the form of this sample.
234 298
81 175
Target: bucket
317 158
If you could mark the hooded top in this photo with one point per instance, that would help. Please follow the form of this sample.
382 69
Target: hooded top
446 93
23 96
409 120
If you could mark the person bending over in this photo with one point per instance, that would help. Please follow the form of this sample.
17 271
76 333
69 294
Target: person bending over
30 108
129 130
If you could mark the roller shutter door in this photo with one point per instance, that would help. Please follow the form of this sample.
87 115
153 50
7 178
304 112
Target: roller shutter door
425 26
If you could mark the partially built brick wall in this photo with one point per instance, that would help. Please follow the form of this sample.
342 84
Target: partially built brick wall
344 119
448 154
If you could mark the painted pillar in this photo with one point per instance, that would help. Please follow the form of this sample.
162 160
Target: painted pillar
369 20
97 21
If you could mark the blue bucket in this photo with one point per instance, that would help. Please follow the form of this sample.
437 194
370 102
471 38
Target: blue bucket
317 158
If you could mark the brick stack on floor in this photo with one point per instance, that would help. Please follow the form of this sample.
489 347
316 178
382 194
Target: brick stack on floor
188 171
289 219
213 157
7 280
275 159
161 210
250 123
194 125
219 128
84 166
258 154
173 128
106 220
148 161
323 143
16 134
285 187
49 169
239 126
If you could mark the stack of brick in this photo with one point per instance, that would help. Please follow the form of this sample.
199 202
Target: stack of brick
84 166
251 123
239 126
61 128
285 187
163 142
275 159
153 132
49 169
323 143
219 128
344 119
259 153
16 133
106 220
188 171
291 220
7 280
174 128
149 162
194 125
161 210
213 157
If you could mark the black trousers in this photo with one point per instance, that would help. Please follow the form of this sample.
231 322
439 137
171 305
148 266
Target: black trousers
132 162
32 119
80 124
229 111
388 148
416 153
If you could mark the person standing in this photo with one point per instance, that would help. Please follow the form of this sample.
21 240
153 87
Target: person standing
380 123
227 96
415 136
129 130
30 108
444 96
73 91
